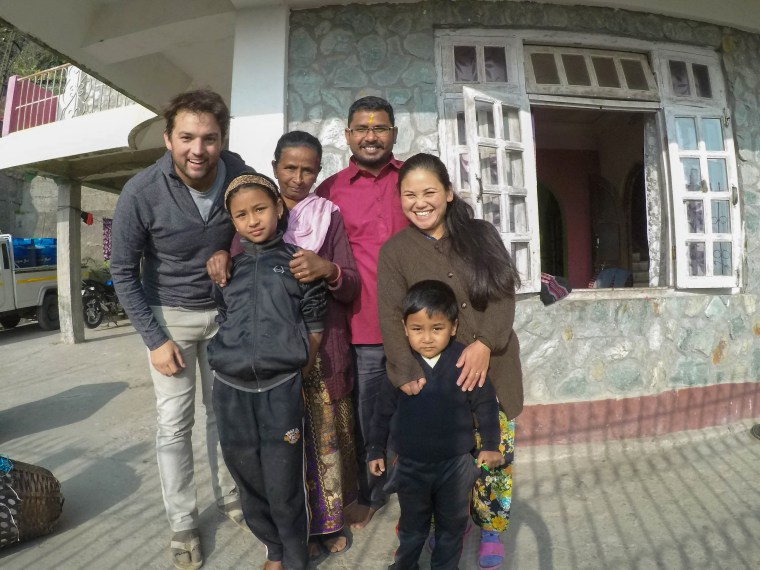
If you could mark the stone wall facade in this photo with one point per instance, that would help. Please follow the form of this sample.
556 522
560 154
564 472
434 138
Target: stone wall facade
585 347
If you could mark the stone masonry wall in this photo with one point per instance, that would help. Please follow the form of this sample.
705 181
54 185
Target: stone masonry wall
582 348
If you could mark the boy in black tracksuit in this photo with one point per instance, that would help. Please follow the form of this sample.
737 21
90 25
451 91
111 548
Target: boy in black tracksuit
269 329
432 433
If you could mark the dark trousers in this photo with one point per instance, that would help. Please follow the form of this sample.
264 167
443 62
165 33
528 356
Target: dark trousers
261 436
426 489
369 362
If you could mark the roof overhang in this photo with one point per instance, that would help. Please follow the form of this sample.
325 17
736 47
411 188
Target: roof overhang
153 49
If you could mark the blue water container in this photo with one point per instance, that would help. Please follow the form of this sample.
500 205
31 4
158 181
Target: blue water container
45 250
46 255
24 254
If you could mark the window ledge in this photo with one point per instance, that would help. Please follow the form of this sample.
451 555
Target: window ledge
624 293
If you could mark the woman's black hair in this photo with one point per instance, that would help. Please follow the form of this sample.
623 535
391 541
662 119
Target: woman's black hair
297 139
433 297
491 273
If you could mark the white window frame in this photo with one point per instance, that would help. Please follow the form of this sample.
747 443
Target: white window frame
667 108
519 243
593 90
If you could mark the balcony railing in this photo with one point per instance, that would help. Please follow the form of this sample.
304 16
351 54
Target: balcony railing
56 94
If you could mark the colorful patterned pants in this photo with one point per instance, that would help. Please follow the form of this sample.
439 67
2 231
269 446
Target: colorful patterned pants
492 494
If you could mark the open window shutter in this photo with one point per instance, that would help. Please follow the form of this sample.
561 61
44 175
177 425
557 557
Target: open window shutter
502 175
705 198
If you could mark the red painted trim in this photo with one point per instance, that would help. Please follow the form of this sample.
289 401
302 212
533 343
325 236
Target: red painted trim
602 420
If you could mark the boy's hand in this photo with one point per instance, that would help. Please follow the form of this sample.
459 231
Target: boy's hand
377 467
491 459
413 388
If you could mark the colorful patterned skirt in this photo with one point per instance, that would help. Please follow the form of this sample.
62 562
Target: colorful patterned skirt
492 494
330 455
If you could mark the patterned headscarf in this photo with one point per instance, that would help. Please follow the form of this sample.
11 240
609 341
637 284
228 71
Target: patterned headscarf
251 179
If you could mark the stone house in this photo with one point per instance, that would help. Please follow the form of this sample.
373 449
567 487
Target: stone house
602 139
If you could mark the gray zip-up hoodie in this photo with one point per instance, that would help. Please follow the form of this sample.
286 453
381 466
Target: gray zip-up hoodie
156 222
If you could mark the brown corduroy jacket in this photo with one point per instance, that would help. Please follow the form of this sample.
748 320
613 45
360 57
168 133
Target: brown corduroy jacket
410 257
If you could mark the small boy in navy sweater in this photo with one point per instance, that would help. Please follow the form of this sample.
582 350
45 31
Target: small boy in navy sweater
432 433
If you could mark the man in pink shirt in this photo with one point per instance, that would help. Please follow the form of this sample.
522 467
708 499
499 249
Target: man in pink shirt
367 194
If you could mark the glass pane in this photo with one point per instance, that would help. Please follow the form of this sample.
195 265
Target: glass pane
511 124
521 257
722 258
686 133
606 74
461 133
679 79
702 80
695 216
484 118
464 171
492 209
495 59
716 169
465 63
545 68
489 172
634 74
697 259
518 214
575 69
712 131
721 217
515 169
692 174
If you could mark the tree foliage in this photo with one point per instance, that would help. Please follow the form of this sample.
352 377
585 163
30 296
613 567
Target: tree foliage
20 55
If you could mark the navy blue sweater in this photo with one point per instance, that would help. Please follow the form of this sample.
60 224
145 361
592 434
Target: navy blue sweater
437 423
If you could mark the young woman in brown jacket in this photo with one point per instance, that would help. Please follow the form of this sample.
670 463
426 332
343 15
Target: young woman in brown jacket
445 242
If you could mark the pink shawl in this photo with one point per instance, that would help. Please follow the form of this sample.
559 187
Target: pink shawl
309 221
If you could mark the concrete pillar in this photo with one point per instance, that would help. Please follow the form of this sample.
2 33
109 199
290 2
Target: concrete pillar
69 261
259 74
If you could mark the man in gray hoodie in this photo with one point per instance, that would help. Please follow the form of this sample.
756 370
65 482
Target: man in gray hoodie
169 219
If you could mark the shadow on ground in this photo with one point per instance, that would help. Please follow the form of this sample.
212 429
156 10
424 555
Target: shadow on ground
67 407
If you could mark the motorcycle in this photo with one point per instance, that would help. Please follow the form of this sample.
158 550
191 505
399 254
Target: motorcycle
99 300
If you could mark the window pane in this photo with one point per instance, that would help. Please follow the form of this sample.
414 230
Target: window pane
679 78
697 259
721 217
489 173
695 216
716 168
606 73
492 209
484 117
634 75
464 171
461 133
545 68
692 174
465 63
521 257
686 133
511 124
515 169
575 69
722 258
518 214
712 131
702 80
496 64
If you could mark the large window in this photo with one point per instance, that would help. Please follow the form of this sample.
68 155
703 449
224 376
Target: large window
561 148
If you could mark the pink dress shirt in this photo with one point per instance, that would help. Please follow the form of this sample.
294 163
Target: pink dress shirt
371 211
